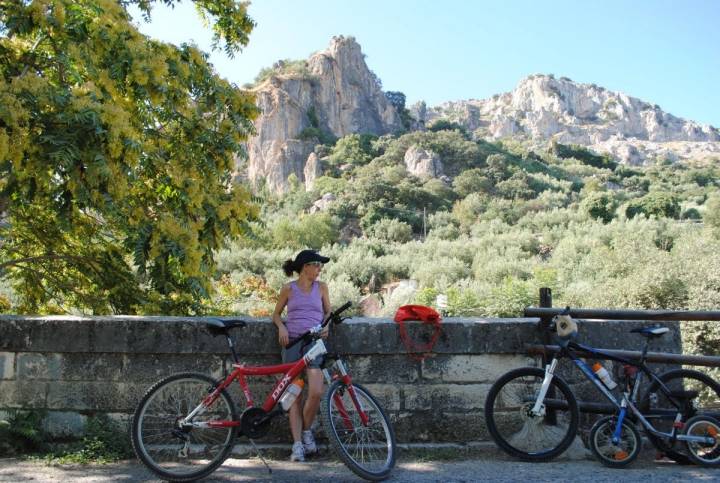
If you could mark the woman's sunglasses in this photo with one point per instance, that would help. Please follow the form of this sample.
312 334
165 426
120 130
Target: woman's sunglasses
315 264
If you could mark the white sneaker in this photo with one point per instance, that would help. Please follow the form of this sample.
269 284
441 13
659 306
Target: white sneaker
298 452
309 442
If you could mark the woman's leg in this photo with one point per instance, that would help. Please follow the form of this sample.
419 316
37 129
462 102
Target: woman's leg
296 419
315 391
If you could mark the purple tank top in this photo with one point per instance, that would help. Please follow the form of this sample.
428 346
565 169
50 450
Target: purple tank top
304 310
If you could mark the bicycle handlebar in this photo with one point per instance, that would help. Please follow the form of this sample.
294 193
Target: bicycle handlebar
332 316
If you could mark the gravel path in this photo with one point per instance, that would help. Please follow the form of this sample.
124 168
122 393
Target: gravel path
329 470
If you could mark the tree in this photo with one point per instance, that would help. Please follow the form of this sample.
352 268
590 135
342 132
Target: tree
116 153
660 204
354 149
599 205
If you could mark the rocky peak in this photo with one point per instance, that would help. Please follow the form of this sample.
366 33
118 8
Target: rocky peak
543 107
336 94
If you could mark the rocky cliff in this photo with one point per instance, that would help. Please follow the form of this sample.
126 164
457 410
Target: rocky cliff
543 108
335 94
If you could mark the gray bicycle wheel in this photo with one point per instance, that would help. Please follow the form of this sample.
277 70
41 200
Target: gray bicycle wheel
369 450
174 453
516 430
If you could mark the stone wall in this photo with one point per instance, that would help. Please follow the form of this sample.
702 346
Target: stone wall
75 367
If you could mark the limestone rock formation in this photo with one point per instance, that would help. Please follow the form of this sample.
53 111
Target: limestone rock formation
338 95
423 163
311 170
542 108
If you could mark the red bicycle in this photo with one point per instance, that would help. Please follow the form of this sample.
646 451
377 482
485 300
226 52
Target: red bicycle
186 424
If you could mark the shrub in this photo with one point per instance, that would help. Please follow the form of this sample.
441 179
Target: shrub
104 441
22 432
712 212
658 204
600 206
391 230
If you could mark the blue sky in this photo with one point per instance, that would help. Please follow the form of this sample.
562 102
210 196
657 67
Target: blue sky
663 52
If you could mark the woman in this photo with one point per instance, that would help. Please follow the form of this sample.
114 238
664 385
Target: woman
308 303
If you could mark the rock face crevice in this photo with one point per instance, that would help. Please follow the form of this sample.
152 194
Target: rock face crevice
340 95
543 108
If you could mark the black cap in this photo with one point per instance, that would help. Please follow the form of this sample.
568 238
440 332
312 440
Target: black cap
307 256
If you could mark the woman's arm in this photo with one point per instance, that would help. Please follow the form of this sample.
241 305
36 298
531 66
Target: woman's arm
327 308
283 337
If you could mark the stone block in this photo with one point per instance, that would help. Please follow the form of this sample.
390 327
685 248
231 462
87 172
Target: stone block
88 397
23 394
34 365
439 427
388 396
472 368
63 424
96 366
383 368
441 397
7 365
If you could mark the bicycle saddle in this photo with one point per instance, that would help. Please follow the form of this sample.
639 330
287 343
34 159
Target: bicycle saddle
651 331
220 327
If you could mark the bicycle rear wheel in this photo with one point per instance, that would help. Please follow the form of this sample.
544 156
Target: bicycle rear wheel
660 412
175 453
368 449
704 454
521 434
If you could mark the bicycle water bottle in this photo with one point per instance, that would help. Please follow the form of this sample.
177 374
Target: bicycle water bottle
604 376
291 393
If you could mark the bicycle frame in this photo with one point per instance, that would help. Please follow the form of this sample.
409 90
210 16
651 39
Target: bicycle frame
568 348
289 371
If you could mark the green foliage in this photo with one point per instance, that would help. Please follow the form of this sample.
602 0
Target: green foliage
600 206
354 149
284 67
712 212
311 231
397 99
445 125
104 441
391 230
658 204
509 298
471 181
584 155
117 181
22 433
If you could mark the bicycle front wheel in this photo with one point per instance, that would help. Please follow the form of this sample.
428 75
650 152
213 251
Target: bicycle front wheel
182 453
359 431
519 432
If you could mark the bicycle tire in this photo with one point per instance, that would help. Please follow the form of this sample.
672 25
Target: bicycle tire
368 451
700 453
708 403
158 441
518 433
608 453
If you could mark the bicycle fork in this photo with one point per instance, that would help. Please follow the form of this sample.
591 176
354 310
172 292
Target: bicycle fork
539 408
345 377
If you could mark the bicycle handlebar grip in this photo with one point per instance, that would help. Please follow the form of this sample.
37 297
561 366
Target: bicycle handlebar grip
343 308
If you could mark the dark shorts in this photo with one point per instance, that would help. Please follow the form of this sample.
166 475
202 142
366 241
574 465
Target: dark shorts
296 352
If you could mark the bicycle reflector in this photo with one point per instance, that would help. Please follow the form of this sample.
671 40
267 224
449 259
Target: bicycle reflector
421 313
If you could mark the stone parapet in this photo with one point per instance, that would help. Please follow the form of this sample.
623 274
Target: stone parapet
74 367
